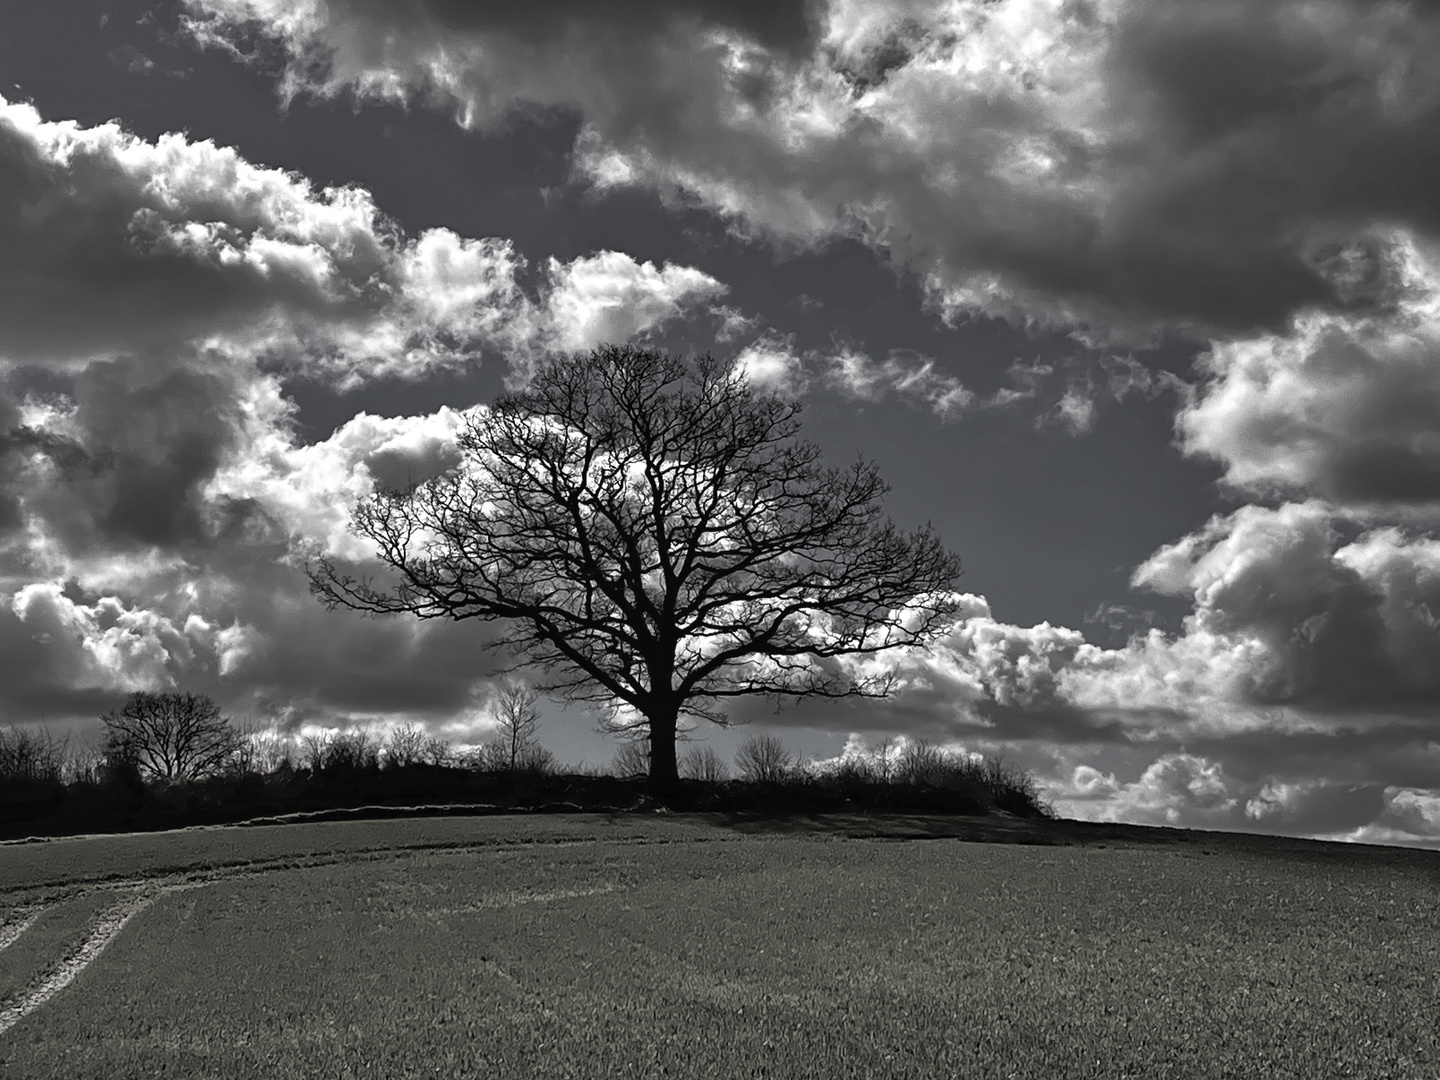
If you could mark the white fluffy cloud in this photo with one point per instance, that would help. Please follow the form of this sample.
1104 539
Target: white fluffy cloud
307 491
610 297
1296 628
1175 789
111 244
1346 406
105 644
1346 622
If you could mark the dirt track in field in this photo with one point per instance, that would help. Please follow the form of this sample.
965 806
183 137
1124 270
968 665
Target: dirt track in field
137 894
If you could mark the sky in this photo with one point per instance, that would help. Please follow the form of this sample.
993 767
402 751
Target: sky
1137 301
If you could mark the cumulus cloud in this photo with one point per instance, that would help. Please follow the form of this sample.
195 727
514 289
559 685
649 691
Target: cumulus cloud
771 364
114 244
1175 789
1115 165
610 297
1346 623
105 644
1345 406
306 491
229 613
110 244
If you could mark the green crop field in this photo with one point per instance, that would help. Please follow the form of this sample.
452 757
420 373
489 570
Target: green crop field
681 947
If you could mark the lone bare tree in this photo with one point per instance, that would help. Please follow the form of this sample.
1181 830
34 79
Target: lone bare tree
171 736
517 714
654 536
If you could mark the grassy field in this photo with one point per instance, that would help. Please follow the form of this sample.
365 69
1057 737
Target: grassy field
681 947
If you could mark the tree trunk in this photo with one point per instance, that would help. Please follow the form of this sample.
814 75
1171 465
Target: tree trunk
664 771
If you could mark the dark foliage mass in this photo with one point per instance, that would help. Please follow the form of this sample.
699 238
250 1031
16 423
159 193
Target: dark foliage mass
170 736
653 535
355 774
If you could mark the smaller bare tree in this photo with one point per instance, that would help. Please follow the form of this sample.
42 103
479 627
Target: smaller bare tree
405 745
883 757
341 752
31 754
437 751
83 764
765 758
171 736
632 759
517 711
702 763
260 750
924 765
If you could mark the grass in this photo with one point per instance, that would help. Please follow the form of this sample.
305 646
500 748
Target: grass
593 947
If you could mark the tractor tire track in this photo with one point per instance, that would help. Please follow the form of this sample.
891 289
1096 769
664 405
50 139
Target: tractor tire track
104 929
18 922
62 974
146 889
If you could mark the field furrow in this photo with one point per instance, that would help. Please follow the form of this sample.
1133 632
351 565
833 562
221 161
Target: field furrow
17 922
65 971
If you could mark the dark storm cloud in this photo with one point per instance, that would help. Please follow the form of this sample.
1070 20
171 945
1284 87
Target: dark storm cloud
1096 165
119 456
162 434
335 664
781 24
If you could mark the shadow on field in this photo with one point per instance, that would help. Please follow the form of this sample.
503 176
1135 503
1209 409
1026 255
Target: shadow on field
898 826
1001 829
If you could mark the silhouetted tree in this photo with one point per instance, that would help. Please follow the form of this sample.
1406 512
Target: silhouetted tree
702 763
171 736
764 757
437 751
261 751
517 712
405 745
632 759
654 536
341 752
31 754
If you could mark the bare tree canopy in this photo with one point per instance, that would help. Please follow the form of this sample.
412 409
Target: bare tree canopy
517 715
172 736
703 763
764 758
654 535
